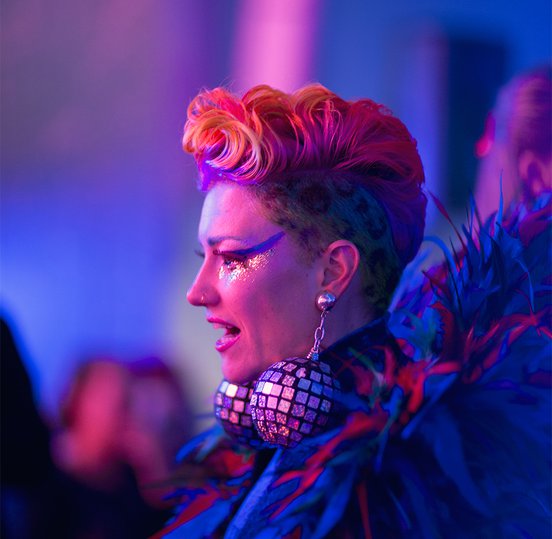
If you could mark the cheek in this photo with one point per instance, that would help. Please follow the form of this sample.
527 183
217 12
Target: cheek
285 303
271 294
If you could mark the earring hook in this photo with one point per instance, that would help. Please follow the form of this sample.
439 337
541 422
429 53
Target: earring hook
324 301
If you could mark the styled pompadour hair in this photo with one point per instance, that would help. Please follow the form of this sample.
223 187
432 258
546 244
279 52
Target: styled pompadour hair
324 168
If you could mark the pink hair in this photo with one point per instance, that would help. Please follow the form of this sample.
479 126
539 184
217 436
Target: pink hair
268 132
523 113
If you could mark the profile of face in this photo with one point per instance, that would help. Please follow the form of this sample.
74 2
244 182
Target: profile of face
253 285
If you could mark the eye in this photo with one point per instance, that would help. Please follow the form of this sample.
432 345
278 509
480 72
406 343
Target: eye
230 260
199 253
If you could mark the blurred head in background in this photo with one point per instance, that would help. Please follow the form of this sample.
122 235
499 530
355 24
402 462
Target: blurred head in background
94 414
517 142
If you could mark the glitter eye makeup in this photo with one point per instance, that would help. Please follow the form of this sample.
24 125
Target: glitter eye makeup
240 263
235 269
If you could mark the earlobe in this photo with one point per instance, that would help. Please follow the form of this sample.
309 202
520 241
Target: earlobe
534 172
341 260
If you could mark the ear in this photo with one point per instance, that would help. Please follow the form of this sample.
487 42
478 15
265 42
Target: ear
340 262
534 172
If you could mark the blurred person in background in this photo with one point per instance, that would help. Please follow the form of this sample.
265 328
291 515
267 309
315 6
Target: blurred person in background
93 416
118 439
517 143
159 422
34 492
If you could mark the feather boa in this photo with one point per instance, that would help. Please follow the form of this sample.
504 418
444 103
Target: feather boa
453 442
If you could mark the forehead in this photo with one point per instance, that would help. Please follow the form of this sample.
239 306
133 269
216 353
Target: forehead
230 210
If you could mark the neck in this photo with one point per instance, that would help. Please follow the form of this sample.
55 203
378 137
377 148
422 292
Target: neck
349 314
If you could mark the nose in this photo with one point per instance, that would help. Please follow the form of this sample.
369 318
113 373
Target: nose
202 293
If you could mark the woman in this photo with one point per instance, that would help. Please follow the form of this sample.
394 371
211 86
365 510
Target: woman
315 203
302 191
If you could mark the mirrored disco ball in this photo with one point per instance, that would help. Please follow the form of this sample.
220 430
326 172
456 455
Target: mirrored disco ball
293 399
233 411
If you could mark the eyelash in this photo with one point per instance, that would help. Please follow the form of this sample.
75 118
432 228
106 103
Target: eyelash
228 259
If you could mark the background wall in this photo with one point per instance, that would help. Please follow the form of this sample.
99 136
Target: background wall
98 202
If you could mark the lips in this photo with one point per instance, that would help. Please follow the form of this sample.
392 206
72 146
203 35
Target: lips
231 333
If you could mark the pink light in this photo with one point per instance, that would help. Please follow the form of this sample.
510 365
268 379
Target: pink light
275 43
485 143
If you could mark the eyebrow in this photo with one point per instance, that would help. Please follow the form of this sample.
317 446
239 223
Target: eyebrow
260 247
215 240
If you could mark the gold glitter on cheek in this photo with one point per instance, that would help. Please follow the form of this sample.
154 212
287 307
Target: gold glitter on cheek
246 270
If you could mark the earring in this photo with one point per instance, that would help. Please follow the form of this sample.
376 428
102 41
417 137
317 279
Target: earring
233 412
294 398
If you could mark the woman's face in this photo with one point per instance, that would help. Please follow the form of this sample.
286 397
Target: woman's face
253 285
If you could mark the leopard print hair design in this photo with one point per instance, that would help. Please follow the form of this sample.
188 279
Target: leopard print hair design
316 208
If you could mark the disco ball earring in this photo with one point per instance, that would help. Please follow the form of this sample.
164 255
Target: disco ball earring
233 412
294 398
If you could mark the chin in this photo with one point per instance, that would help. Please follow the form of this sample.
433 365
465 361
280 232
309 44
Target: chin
237 376
243 374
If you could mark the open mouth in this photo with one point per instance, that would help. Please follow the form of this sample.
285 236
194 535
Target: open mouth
231 334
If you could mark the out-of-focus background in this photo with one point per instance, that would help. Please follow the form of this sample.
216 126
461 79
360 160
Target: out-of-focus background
98 202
